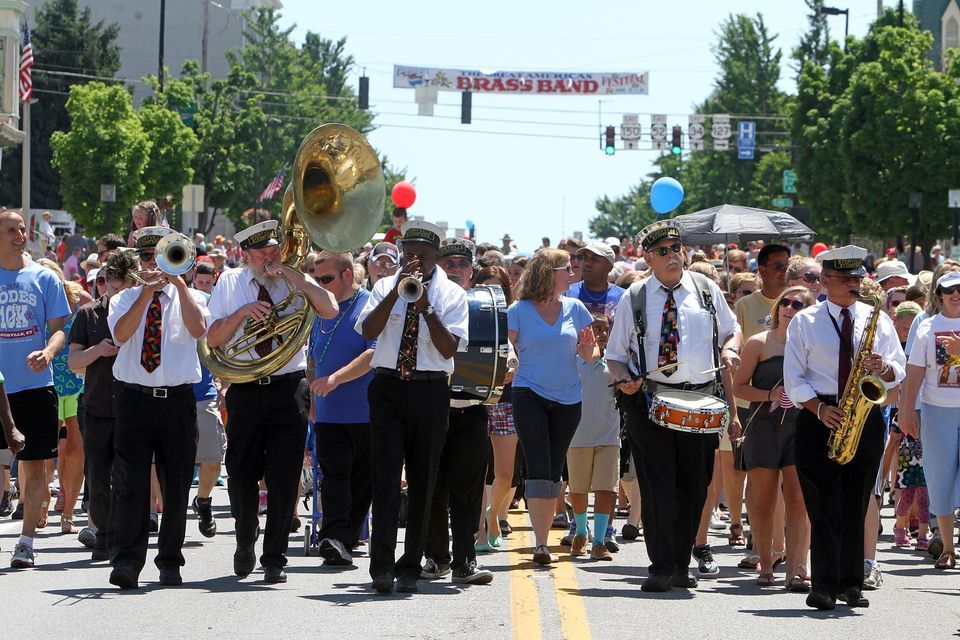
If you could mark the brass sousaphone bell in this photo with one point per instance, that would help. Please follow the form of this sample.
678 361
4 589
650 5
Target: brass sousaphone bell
335 199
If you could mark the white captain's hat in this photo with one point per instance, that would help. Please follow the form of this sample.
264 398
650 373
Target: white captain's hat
846 259
457 247
148 237
422 231
258 236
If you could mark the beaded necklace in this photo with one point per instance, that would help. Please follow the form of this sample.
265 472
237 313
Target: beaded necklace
340 317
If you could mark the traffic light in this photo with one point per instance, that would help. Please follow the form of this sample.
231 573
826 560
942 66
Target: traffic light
363 97
610 138
466 104
677 146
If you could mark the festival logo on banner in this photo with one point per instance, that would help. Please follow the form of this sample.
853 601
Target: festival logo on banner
531 82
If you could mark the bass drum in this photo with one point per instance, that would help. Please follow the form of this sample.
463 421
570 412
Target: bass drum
479 367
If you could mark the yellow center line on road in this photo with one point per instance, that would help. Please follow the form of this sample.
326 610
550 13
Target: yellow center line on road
524 599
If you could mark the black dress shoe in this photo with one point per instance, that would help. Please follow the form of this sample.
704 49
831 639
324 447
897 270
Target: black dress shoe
244 560
99 555
683 581
295 525
170 577
407 584
821 600
656 584
383 583
853 597
124 577
630 532
274 575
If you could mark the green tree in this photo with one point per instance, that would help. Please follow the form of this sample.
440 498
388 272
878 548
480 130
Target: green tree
173 146
814 44
391 176
66 39
106 144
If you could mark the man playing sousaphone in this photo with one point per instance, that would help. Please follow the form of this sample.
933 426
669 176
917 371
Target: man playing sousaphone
267 417
679 321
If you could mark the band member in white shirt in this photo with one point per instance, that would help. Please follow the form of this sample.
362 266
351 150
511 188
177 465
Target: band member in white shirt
267 418
156 326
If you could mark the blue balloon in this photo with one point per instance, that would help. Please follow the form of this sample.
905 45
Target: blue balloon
666 194
470 224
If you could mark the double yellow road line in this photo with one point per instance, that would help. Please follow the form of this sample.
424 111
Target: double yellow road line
525 618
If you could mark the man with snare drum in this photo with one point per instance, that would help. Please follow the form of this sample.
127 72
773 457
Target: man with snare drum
672 344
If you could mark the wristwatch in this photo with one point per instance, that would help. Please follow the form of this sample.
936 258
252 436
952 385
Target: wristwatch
428 311
734 349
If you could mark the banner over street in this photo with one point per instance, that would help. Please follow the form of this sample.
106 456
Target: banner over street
532 82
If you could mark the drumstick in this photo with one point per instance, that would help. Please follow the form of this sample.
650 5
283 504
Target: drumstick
657 370
714 370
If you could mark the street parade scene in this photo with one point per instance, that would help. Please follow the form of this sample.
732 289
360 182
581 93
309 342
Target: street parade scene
670 349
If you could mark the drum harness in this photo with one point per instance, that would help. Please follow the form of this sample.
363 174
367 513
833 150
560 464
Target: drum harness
638 302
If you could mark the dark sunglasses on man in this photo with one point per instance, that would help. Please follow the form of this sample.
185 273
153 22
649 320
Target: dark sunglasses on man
327 279
663 251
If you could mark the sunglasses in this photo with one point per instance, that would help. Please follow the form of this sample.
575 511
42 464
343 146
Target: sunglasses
567 268
663 251
147 255
779 266
463 263
949 291
895 303
745 292
327 279
811 277
797 305
576 258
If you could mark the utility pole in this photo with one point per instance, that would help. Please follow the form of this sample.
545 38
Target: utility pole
163 16
879 9
206 34
25 172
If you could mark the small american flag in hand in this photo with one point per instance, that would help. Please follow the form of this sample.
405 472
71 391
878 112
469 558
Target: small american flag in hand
784 400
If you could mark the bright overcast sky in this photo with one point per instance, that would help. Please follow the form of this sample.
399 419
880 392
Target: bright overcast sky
535 186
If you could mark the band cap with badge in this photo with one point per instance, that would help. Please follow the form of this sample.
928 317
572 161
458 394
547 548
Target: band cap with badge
258 236
657 231
422 231
457 247
847 260
148 237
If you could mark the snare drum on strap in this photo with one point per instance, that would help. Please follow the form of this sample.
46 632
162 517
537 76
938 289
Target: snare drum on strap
480 366
689 411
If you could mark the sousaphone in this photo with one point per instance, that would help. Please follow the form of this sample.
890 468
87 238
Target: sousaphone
335 199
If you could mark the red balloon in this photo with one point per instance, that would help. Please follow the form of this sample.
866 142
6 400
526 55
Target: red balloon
818 248
403 194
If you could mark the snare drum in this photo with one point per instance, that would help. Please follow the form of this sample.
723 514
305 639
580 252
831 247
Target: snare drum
689 411
479 367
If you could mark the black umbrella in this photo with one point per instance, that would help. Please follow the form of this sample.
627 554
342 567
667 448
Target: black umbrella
734 223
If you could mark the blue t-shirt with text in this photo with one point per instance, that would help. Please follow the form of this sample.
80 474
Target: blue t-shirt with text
597 302
548 352
29 297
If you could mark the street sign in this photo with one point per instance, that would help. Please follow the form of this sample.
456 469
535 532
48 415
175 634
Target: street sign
745 153
630 131
720 132
746 134
790 181
783 202
696 131
108 193
953 198
193 198
658 131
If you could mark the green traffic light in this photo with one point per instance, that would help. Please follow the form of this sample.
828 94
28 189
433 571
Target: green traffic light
676 151
610 150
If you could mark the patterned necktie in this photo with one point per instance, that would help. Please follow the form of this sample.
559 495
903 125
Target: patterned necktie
669 334
846 350
407 357
264 348
150 351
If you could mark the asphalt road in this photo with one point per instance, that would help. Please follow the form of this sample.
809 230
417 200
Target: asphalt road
67 596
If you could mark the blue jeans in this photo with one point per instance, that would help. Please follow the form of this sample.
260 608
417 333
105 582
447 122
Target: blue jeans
545 429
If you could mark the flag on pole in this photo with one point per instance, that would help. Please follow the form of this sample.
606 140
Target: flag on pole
26 62
274 187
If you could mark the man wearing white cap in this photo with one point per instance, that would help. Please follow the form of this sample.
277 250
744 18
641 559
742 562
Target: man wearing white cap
893 273
822 344
384 261
268 417
156 326
409 398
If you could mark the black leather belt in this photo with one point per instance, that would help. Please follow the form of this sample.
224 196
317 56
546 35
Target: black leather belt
160 392
652 386
287 377
415 375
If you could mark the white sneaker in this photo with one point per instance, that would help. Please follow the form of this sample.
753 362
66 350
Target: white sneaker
23 557
872 578
433 571
715 521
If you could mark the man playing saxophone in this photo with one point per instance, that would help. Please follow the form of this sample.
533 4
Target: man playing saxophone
827 345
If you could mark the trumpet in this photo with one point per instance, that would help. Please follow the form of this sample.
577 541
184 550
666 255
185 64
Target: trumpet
411 289
176 254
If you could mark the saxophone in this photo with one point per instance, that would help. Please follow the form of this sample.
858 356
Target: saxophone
862 393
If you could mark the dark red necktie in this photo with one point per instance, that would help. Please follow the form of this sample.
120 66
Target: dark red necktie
150 351
846 350
264 348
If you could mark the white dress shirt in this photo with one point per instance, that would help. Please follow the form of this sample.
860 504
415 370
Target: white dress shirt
810 359
449 302
695 326
179 362
238 287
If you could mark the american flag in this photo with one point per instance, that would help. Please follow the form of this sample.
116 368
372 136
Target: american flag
26 62
274 187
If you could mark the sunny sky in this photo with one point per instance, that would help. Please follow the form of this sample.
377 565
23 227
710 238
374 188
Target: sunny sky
545 181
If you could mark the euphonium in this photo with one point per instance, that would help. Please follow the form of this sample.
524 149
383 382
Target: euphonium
335 198
862 393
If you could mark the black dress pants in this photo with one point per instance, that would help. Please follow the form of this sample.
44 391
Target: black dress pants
343 454
836 498
149 429
98 465
266 436
460 485
674 470
408 424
